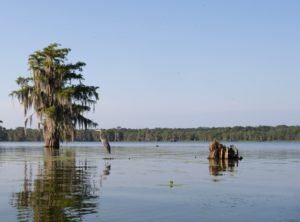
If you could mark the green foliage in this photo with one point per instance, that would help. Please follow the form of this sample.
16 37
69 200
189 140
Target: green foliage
3 133
260 133
56 94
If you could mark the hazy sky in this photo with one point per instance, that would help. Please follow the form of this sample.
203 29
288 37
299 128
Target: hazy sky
165 63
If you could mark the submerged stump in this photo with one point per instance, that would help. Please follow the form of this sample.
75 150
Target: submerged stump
218 151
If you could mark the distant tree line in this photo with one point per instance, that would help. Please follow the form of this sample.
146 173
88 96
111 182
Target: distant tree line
237 133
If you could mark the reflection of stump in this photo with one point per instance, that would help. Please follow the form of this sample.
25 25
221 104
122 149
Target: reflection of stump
216 167
218 151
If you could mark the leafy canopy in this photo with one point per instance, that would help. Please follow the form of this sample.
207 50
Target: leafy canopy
55 92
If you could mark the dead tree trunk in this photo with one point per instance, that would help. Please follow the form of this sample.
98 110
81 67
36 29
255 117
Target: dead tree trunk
218 151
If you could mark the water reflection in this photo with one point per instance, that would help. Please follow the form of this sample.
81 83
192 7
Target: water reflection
63 189
218 167
105 172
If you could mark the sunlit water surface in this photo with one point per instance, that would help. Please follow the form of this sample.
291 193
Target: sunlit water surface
77 183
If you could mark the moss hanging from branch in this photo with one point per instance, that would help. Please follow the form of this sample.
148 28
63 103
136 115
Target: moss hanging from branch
56 93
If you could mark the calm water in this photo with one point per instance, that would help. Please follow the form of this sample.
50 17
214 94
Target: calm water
78 184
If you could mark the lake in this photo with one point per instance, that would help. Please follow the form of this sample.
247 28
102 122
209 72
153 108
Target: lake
77 183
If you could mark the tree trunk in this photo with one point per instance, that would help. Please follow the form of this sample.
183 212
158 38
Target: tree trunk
52 143
51 136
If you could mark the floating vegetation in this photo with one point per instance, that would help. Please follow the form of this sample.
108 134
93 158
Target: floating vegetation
108 158
216 180
171 184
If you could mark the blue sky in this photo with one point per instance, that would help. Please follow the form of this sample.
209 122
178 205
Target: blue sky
165 63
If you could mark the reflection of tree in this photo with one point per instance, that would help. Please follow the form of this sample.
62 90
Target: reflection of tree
216 167
62 190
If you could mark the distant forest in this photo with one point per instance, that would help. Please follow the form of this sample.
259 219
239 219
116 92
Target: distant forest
237 133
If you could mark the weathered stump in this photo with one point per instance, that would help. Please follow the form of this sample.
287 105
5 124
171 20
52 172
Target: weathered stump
218 151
